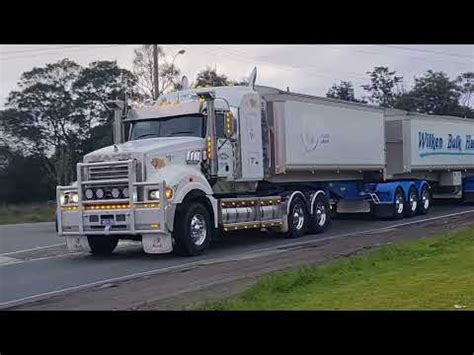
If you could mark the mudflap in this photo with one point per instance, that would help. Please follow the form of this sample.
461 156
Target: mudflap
77 243
157 243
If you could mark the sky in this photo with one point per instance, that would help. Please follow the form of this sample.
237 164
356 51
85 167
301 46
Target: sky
308 69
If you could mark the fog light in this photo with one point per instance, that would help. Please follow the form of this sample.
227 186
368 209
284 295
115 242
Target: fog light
99 193
89 194
125 192
115 193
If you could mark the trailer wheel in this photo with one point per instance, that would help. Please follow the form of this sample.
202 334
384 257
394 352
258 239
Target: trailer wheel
398 204
102 245
297 218
425 202
411 205
320 219
192 229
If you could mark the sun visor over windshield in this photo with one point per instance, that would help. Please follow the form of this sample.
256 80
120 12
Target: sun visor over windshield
166 110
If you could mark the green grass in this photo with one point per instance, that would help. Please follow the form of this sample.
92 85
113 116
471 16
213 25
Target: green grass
27 213
436 273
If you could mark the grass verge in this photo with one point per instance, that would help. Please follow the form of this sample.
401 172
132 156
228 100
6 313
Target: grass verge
436 273
27 213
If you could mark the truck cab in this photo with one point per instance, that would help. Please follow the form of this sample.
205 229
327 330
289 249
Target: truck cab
158 183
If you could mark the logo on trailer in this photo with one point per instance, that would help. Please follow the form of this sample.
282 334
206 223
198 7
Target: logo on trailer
430 144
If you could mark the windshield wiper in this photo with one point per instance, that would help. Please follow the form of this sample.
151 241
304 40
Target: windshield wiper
146 135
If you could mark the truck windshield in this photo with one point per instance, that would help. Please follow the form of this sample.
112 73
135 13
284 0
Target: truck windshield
180 126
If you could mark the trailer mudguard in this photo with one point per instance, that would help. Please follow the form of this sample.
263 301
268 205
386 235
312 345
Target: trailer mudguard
468 184
385 191
420 184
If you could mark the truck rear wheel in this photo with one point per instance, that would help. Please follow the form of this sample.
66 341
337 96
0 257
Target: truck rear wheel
411 205
425 202
192 229
398 204
297 218
320 219
102 245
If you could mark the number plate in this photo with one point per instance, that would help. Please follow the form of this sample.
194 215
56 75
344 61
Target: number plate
107 222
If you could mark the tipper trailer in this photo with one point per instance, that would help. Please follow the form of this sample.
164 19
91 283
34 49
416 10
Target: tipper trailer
199 163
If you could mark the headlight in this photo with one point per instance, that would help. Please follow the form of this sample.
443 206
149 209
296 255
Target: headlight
67 198
155 194
74 197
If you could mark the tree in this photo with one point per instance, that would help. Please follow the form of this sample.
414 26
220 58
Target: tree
343 91
466 81
384 87
57 108
209 77
168 73
23 178
435 93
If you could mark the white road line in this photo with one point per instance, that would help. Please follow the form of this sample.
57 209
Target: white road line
121 243
5 260
32 249
243 255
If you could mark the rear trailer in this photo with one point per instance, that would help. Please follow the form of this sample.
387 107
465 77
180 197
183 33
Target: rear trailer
438 149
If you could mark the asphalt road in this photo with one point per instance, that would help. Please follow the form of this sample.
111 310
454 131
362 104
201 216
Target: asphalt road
35 264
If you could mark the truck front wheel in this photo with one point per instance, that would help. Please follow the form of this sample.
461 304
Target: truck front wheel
102 245
192 229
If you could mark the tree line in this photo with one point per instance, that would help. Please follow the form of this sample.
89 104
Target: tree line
432 93
59 113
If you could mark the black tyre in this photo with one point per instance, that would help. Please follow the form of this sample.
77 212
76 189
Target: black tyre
320 219
426 199
411 205
398 204
192 229
297 218
102 245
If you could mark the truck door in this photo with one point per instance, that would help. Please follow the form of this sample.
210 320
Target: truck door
225 151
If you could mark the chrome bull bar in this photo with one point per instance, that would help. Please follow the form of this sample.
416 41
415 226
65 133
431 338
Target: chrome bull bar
142 214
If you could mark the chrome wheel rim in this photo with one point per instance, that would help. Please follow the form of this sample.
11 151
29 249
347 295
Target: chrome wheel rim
298 217
399 203
321 214
426 199
413 201
198 229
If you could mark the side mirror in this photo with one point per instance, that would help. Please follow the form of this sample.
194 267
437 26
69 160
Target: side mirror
229 124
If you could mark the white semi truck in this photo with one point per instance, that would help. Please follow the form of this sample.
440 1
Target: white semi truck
199 163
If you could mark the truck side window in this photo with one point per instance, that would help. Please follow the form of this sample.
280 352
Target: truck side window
220 124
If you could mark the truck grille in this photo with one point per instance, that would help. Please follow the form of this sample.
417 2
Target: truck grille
108 172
